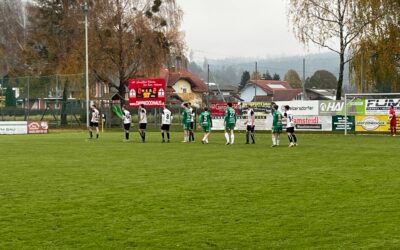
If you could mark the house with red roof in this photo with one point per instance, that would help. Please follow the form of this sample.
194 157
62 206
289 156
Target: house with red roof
184 85
269 91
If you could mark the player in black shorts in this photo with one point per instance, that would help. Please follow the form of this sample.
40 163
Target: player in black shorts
94 122
166 119
142 122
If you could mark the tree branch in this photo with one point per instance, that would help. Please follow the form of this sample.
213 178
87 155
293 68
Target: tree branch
321 44
316 4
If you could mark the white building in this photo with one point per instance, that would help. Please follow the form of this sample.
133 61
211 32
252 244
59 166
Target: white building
269 90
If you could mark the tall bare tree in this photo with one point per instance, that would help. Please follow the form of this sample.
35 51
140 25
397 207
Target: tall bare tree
56 39
127 38
132 38
332 24
13 35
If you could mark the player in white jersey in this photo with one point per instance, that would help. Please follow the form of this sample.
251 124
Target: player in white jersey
94 122
166 119
142 122
288 116
127 120
250 122
193 113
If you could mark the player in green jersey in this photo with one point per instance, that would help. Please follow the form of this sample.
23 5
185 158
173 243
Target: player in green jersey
206 123
229 121
276 125
186 118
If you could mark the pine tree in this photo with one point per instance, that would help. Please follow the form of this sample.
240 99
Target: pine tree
244 80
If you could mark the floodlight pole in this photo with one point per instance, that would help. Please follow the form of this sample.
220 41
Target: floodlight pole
208 85
255 85
304 80
345 114
86 11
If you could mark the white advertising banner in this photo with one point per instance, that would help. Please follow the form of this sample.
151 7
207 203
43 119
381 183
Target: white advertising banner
302 123
331 108
313 123
301 107
217 124
260 124
381 106
13 128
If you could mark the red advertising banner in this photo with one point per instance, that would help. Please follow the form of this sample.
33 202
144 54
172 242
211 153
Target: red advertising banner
38 127
150 92
218 108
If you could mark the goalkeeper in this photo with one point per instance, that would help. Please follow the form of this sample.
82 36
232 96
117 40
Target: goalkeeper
392 120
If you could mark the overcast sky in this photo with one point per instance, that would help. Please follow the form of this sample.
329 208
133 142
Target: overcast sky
239 28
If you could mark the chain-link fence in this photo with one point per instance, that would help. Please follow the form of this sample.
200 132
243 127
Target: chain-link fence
60 100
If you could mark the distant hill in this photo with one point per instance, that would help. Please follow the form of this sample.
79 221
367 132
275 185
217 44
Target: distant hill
314 62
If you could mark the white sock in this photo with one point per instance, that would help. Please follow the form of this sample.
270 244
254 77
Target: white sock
232 137
277 142
227 137
273 141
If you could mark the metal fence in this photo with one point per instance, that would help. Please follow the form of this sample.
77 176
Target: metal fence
60 100
57 99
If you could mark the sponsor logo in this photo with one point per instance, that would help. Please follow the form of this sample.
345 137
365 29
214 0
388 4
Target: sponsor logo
33 126
312 120
381 106
302 108
331 106
147 103
370 123
308 123
382 103
356 103
309 126
37 128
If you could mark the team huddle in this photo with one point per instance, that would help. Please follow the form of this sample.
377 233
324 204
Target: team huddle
205 121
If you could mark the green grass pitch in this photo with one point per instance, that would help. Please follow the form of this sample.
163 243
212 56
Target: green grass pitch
60 191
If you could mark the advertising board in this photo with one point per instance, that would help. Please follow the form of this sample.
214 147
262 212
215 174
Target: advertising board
381 106
372 123
13 128
338 123
218 108
301 108
150 92
38 127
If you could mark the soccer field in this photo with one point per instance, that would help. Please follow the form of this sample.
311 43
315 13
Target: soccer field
61 191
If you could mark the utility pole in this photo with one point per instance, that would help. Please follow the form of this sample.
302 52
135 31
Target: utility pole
362 77
29 106
86 11
304 79
208 85
255 85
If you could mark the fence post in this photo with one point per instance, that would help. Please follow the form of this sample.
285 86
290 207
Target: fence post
29 106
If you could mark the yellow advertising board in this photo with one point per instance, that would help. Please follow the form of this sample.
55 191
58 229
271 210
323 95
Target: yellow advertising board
372 123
